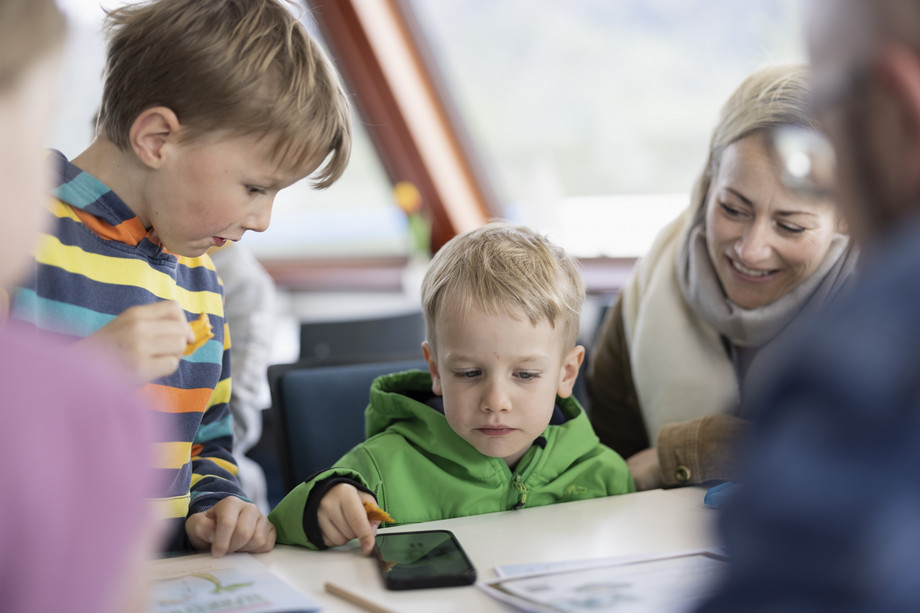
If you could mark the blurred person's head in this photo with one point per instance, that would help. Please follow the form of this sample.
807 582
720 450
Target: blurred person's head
31 37
865 59
762 237
501 306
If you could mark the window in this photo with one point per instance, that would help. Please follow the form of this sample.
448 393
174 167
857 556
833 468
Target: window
356 217
591 116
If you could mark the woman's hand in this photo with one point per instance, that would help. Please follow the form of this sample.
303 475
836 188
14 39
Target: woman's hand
645 469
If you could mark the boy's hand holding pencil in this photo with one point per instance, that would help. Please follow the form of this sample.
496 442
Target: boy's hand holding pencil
346 513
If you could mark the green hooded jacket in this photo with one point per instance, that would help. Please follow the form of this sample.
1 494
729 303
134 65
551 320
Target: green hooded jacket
421 470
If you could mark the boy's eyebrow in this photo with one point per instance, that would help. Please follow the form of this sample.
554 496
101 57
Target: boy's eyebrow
527 359
524 359
272 181
272 177
456 357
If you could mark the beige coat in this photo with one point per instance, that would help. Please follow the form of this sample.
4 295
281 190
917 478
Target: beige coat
660 375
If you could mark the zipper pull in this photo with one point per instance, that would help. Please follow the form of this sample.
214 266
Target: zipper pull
522 491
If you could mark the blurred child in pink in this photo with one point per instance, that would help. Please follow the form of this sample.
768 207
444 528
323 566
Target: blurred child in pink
74 525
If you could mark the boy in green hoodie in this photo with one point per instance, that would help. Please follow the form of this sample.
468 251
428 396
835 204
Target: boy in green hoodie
492 425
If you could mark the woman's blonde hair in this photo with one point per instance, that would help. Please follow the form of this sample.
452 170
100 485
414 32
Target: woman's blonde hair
505 269
28 30
771 97
245 67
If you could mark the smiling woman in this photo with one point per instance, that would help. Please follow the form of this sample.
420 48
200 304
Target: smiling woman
721 282
763 239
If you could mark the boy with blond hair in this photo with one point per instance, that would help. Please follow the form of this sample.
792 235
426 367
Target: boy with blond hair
492 425
208 110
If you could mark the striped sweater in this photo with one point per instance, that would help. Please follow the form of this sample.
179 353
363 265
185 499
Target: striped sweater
96 261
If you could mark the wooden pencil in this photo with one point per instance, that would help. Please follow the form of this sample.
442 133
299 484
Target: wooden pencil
354 599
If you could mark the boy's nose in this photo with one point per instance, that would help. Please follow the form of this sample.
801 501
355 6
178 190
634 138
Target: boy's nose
260 218
495 398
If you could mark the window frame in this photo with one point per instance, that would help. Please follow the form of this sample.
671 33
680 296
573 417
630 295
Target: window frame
383 61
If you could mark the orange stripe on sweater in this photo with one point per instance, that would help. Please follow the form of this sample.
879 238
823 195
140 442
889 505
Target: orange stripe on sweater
130 231
173 400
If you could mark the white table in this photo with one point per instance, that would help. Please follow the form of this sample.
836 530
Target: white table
657 521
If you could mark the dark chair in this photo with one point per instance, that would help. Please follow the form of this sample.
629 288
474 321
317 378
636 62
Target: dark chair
380 337
319 411
581 390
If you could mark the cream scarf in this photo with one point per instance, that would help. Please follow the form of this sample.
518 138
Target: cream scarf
675 315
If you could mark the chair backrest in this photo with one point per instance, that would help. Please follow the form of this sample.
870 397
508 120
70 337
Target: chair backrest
379 338
320 411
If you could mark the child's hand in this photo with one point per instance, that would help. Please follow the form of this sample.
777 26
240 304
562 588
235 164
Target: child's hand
150 339
231 525
342 517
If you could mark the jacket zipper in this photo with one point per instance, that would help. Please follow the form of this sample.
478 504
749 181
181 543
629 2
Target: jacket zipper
522 492
519 478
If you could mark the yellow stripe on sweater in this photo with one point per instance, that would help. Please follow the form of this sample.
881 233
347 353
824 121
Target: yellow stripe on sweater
167 508
202 260
171 455
221 392
59 209
123 271
230 467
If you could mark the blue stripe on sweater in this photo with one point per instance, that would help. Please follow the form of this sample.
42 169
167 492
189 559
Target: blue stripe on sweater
82 191
57 316
215 430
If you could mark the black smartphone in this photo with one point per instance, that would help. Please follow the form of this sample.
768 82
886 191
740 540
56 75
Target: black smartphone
428 558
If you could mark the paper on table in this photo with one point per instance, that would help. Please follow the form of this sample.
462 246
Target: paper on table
513 570
663 584
237 582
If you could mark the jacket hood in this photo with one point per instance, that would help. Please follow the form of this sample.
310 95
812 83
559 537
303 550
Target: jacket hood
399 403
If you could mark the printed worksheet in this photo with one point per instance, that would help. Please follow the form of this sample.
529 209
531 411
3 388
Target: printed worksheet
235 583
663 584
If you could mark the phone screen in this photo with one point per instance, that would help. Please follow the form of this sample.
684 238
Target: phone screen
429 558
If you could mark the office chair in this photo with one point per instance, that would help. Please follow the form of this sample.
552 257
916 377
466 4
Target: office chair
319 410
378 337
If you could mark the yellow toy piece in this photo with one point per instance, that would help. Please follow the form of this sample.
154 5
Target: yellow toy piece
203 333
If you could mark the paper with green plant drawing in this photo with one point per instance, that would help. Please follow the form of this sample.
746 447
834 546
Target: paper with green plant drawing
237 582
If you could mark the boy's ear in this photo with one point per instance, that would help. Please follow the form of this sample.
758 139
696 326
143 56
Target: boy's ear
570 367
151 131
432 368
